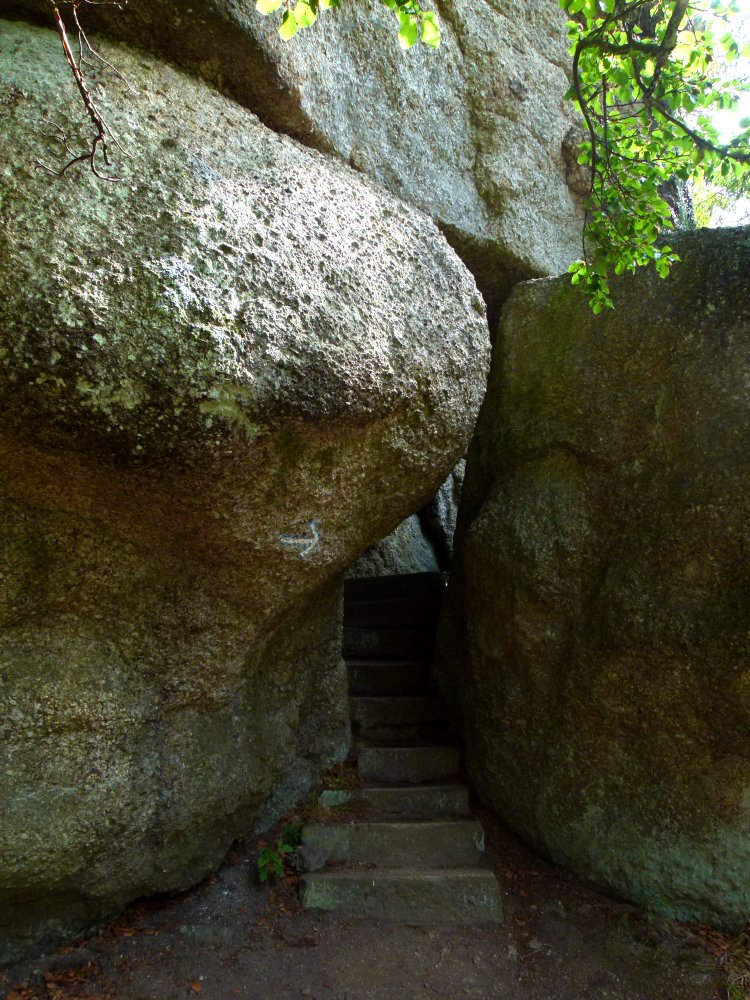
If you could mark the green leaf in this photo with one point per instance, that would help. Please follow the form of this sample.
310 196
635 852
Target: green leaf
304 15
268 6
408 32
288 27
431 34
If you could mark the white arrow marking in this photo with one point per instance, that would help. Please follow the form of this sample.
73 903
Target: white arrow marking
304 545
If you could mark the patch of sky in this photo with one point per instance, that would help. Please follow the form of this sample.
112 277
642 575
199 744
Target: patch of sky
731 122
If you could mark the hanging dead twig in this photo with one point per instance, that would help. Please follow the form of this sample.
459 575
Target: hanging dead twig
99 148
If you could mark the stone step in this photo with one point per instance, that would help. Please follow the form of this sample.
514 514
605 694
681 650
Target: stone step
426 844
408 765
385 643
424 801
409 585
393 613
383 677
420 897
401 719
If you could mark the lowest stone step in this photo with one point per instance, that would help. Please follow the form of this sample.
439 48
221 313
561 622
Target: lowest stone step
453 896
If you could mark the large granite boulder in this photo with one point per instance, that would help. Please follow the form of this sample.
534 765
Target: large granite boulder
216 379
601 606
473 133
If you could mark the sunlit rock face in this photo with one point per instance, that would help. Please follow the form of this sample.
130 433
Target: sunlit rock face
599 634
473 133
217 378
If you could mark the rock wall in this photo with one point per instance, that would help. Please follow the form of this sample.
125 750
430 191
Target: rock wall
207 403
415 547
405 550
447 503
599 630
471 133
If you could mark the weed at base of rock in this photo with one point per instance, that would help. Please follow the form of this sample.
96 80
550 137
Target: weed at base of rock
271 859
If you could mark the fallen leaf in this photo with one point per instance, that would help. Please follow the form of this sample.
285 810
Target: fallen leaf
196 987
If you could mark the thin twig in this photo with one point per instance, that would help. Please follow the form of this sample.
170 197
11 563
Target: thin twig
99 147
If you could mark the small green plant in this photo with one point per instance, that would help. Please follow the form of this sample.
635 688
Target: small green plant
271 859
342 776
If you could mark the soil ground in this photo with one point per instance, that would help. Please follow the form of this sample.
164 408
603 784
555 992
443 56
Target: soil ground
231 937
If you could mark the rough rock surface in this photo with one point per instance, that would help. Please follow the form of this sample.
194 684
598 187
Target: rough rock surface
405 550
472 133
601 608
216 380
447 502
409 548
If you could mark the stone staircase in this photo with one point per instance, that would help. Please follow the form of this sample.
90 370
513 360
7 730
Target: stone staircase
409 851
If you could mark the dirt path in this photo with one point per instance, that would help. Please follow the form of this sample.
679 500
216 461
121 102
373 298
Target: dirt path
232 938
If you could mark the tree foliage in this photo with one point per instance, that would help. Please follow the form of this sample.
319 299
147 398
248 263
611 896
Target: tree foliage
647 77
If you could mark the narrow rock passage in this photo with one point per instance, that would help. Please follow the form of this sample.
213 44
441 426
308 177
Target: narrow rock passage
410 852
233 937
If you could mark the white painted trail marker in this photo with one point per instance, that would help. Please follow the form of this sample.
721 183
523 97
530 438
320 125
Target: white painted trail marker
304 545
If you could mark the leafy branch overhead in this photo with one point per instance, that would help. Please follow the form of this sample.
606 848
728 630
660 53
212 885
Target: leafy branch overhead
647 77
415 24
